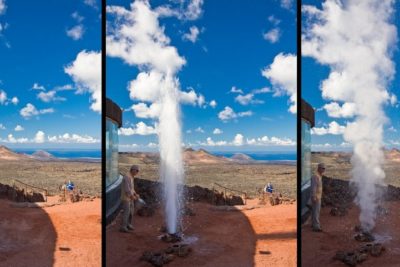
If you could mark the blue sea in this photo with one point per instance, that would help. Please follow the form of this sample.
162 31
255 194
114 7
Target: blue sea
66 154
273 157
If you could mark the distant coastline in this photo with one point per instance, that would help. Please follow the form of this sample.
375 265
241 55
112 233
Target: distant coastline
68 154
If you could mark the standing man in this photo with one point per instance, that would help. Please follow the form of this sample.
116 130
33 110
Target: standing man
128 196
316 196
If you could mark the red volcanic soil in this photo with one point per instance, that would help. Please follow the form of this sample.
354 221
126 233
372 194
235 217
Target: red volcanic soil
61 235
264 236
318 249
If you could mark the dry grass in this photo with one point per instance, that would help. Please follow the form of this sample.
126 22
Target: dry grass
243 177
338 166
87 176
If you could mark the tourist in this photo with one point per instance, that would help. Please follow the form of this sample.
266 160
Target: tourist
316 196
128 196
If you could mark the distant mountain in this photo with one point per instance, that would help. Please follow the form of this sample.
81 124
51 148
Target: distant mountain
393 154
43 155
8 154
242 158
192 156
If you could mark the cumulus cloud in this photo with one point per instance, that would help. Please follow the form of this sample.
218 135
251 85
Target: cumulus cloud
3 7
272 35
18 128
217 131
192 98
152 145
4 100
287 4
142 110
37 86
333 128
3 97
213 103
282 74
30 111
247 99
239 140
334 110
192 35
228 114
140 129
85 71
72 138
50 96
91 3
186 10
39 137
76 32
236 90
199 130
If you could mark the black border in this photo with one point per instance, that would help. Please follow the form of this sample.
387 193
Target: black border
103 130
298 4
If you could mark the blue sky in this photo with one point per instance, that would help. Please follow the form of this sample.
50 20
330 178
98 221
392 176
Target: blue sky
47 94
230 46
315 73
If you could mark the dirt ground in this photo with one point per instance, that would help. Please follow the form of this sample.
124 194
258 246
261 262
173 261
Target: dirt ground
264 236
61 235
318 249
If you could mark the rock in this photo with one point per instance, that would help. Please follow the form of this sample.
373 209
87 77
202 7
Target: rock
171 238
364 237
377 249
180 250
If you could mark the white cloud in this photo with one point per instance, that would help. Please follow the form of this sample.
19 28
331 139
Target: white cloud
37 86
3 97
228 113
85 71
191 97
333 128
66 87
77 17
275 21
187 10
39 137
76 32
236 90
213 103
287 4
140 129
238 140
138 39
144 111
334 110
73 138
192 35
152 145
12 139
392 129
199 130
282 74
247 99
2 127
18 128
217 131
393 100
50 96
189 131
15 100
272 35
3 7
30 110
91 3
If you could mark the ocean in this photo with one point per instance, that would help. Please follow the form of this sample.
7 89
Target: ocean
67 154
289 157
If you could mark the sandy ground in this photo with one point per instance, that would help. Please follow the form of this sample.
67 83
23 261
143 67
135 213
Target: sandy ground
62 235
263 236
318 249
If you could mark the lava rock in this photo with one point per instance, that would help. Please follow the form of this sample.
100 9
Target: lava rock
364 237
171 238
180 250
377 250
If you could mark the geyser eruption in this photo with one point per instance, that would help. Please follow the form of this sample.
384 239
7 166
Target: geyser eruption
355 39
137 38
171 168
